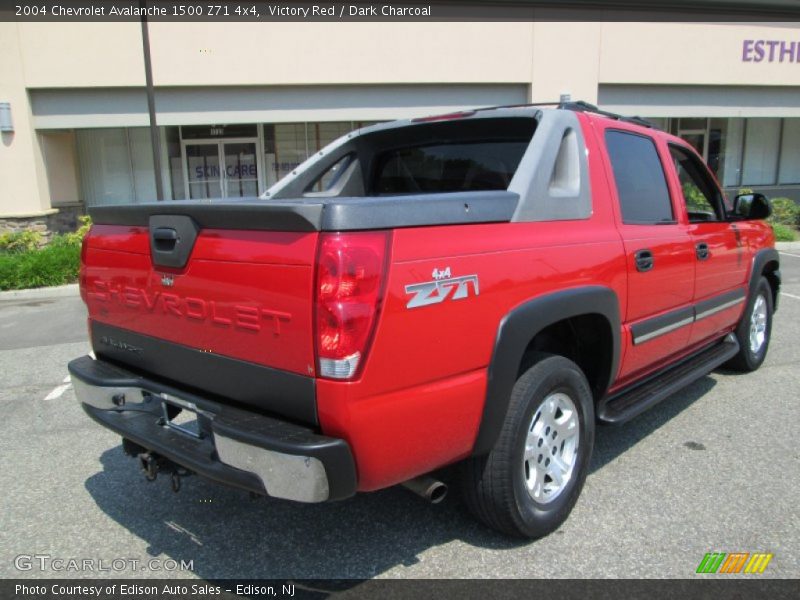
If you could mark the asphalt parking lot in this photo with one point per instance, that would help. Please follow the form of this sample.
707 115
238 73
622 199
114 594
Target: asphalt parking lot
714 468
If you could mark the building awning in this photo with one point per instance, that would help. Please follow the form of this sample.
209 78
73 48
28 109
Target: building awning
127 107
700 100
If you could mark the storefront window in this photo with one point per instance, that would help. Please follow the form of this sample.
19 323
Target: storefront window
730 159
116 165
105 166
320 135
761 152
789 171
174 158
285 147
141 150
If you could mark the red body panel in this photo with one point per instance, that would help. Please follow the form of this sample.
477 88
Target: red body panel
245 295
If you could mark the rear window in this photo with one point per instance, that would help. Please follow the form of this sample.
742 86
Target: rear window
455 167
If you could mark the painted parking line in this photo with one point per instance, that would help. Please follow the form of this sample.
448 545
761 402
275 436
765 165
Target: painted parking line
790 295
789 254
59 390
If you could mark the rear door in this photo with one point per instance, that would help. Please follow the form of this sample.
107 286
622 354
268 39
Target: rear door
720 258
659 252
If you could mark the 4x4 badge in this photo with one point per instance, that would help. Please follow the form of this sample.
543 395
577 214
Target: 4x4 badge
439 290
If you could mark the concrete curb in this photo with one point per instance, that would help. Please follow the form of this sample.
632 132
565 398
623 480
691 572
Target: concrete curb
61 291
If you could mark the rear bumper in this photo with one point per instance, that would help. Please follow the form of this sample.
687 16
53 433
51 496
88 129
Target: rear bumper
239 448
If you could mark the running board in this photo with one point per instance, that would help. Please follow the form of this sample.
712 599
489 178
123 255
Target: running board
631 402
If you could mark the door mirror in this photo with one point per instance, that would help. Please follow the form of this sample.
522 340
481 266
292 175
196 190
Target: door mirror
751 206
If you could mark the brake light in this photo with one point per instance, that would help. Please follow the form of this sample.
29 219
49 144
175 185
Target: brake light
351 272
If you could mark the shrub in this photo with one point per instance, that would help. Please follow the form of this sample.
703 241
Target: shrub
783 233
76 237
56 264
25 265
785 212
20 241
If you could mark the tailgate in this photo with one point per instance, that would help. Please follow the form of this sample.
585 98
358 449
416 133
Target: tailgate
228 312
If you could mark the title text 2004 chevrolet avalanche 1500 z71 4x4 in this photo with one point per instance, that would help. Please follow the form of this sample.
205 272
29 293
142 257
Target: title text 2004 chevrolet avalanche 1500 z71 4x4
478 288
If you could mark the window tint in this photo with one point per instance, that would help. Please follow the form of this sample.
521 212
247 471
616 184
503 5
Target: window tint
641 184
700 195
456 167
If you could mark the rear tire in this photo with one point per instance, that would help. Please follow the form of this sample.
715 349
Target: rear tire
754 330
529 482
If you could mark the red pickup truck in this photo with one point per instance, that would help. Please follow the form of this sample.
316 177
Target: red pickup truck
478 288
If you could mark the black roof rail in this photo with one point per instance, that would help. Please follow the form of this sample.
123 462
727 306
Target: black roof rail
581 106
523 105
578 106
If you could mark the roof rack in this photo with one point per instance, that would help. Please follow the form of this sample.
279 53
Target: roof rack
581 106
578 106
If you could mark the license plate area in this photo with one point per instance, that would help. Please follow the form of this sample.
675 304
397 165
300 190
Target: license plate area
183 416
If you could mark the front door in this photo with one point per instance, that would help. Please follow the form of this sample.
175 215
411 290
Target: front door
721 265
221 169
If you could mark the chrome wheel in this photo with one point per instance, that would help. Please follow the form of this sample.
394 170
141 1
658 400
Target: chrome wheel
758 325
551 448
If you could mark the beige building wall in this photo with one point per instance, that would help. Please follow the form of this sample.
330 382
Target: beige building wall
94 55
192 54
692 54
565 60
23 191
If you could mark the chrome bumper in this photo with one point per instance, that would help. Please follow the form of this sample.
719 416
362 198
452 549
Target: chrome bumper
241 448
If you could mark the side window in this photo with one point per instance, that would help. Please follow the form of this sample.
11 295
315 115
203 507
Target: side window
702 198
639 175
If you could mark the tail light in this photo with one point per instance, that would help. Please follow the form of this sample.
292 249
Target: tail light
351 273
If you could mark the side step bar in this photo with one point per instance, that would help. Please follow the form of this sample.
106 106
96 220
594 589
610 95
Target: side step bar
631 402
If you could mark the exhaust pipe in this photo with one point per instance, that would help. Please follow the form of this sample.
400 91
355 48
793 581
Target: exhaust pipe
425 486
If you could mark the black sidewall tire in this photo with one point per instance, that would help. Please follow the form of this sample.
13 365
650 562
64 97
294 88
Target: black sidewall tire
540 519
747 360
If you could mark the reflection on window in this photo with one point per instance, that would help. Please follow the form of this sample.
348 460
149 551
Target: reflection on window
699 194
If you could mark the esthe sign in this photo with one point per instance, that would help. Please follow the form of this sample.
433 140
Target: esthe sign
757 51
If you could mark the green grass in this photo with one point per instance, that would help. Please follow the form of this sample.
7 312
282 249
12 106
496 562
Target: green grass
783 233
56 264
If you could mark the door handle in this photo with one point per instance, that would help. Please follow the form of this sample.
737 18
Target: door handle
644 260
165 239
702 251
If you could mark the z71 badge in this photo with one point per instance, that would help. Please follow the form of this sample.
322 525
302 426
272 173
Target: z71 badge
442 288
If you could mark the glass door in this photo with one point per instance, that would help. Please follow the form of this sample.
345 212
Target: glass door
221 169
240 169
203 170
